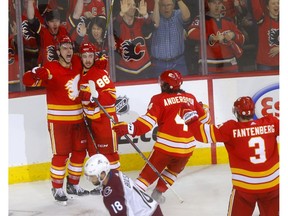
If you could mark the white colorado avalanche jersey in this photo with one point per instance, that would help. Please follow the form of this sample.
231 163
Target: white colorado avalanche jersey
122 197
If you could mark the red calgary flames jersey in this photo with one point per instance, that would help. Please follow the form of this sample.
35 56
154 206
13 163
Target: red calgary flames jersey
268 35
173 136
62 91
105 88
220 57
131 45
252 149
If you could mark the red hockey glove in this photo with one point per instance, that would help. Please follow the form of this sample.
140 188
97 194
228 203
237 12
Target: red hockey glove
123 128
85 97
101 62
41 73
188 115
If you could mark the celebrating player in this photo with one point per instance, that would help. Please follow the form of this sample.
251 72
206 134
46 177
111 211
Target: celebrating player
253 156
65 118
103 135
120 195
174 144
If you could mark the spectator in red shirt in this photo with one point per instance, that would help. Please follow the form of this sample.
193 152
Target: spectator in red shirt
132 57
52 29
268 34
224 40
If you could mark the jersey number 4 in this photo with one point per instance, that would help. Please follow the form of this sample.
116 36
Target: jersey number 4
180 121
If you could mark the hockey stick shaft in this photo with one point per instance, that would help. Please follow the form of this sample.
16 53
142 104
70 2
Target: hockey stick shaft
107 23
90 131
92 88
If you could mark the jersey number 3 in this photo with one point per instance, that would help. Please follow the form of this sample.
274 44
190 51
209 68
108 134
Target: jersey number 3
260 152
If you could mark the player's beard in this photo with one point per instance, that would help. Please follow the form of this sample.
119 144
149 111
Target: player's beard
87 67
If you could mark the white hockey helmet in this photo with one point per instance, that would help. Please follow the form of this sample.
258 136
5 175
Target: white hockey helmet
97 164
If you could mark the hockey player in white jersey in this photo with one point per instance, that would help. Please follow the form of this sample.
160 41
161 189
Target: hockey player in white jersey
120 195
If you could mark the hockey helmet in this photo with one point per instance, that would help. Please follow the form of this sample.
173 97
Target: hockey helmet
244 107
173 78
95 165
63 39
87 47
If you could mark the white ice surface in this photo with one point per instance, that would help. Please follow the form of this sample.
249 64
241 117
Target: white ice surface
205 190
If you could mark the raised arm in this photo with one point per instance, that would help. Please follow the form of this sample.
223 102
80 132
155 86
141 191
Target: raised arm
30 10
78 9
184 10
156 14
257 11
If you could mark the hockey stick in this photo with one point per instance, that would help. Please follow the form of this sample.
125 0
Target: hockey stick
90 131
107 23
93 92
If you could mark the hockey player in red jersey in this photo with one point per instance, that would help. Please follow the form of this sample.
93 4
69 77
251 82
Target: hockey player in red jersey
253 156
120 195
65 118
96 35
105 138
174 143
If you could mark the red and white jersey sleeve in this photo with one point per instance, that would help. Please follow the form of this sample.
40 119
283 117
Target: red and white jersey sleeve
122 197
252 148
173 136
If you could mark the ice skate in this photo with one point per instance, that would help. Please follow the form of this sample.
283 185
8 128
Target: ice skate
96 191
157 195
76 189
60 196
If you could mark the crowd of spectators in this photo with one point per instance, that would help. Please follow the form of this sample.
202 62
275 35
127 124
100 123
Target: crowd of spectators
151 36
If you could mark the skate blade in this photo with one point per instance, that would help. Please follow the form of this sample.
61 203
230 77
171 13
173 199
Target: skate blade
62 203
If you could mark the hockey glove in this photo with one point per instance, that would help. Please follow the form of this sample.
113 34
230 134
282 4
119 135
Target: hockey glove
101 61
41 73
85 97
123 128
94 92
188 115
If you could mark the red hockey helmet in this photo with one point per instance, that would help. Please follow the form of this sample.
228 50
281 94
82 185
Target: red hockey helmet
87 47
172 77
64 39
244 107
